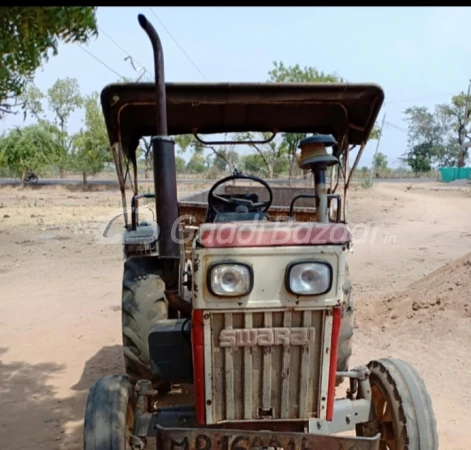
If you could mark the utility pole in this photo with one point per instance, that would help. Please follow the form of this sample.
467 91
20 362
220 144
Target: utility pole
377 147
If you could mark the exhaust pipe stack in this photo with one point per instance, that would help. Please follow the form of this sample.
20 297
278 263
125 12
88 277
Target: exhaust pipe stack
165 179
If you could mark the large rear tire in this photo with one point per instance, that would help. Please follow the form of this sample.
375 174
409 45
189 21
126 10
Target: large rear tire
401 406
143 304
109 414
346 329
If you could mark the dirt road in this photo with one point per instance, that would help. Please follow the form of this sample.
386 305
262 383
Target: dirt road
60 296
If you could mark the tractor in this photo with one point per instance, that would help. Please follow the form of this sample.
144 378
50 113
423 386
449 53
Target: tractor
242 292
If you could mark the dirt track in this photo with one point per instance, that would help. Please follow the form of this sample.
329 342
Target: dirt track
60 296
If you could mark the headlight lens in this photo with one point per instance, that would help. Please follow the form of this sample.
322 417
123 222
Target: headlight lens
231 280
309 278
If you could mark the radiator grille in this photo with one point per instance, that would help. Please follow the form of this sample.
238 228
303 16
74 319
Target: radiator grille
277 381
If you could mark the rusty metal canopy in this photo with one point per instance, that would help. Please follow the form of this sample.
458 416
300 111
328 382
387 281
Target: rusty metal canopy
341 109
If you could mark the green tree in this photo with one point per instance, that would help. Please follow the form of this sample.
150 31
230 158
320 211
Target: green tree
91 145
147 155
419 158
224 155
424 126
196 164
380 163
31 148
437 137
459 114
254 164
185 142
32 98
281 167
225 159
289 74
426 136
269 152
64 98
179 164
295 74
28 35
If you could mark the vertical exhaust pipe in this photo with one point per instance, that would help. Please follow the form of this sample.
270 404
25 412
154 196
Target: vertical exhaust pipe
165 178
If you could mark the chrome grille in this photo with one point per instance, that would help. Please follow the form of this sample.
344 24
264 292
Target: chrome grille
255 382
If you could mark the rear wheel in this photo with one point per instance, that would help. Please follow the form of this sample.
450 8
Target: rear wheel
346 329
109 414
401 406
143 304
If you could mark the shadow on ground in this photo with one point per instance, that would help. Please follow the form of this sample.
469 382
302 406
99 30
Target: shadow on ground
34 415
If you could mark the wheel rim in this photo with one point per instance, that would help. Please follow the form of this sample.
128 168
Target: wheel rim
384 419
129 424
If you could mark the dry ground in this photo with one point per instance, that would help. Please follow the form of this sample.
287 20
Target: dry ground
61 287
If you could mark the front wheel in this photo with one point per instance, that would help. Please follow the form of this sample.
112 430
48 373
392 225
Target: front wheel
401 409
109 415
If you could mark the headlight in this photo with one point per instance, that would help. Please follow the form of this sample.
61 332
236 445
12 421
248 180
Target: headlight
309 278
230 279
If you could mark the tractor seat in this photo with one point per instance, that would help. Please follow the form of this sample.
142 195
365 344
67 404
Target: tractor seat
272 234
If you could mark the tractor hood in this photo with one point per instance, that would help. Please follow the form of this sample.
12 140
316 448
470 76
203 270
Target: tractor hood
347 111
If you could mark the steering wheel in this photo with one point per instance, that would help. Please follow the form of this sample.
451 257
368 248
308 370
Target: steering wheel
239 201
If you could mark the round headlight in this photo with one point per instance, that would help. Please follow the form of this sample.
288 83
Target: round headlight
309 278
230 279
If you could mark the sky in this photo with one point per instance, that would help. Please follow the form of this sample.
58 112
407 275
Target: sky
419 56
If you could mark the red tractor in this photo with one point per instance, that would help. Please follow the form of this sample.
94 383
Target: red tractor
237 294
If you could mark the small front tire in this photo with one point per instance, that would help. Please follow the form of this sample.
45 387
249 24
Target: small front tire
109 415
401 408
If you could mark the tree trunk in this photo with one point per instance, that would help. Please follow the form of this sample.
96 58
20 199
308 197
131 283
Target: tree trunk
23 177
148 163
291 167
61 172
270 171
84 175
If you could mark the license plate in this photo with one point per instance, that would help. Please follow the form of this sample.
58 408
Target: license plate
212 439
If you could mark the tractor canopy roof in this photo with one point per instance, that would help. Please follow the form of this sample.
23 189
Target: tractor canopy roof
347 111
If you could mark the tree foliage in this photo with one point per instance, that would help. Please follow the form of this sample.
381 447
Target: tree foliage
31 148
269 153
28 35
437 137
458 113
380 164
179 164
253 164
419 158
63 99
381 161
146 153
196 164
295 74
289 74
91 145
